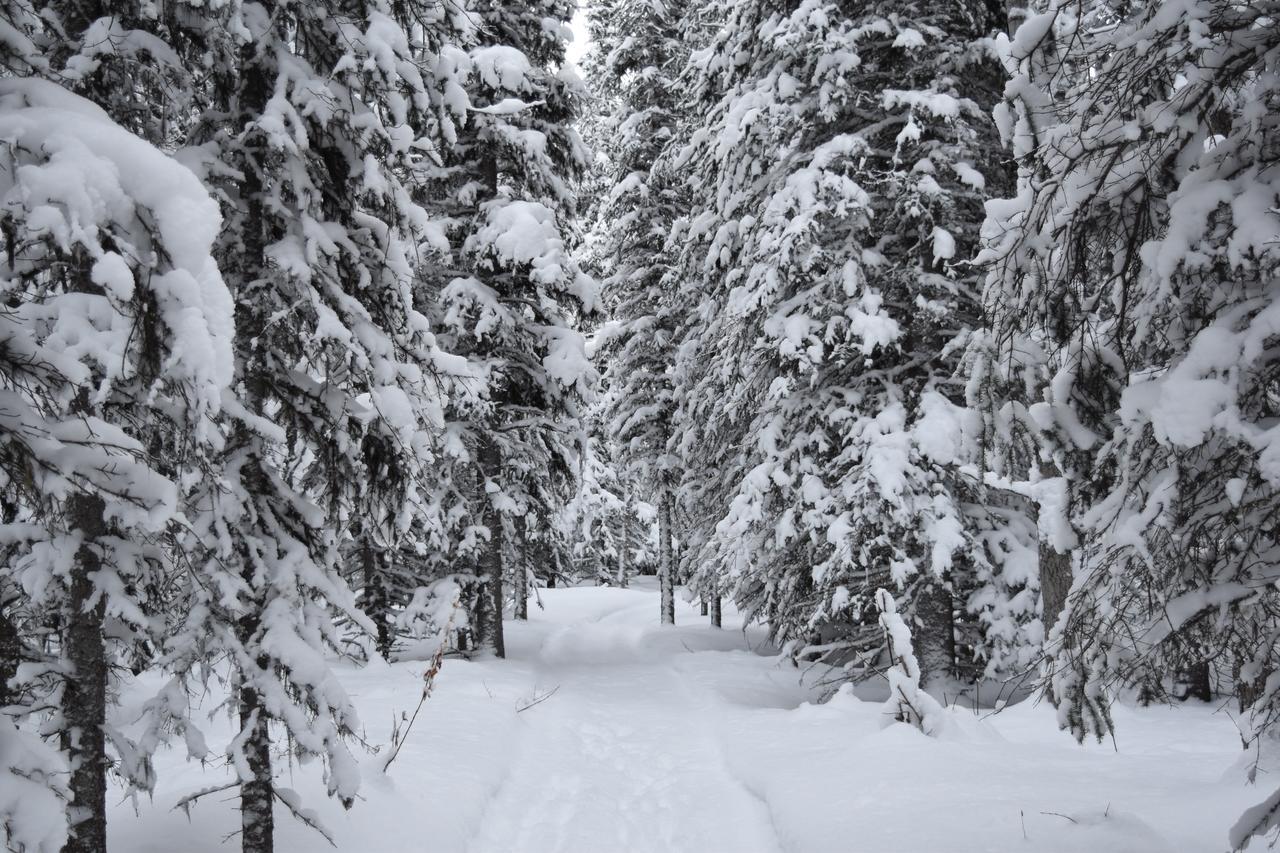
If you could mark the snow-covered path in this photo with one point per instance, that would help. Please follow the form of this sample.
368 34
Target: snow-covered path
624 726
652 738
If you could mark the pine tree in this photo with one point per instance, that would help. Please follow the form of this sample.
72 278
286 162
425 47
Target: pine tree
510 310
1138 269
637 54
321 119
116 354
844 162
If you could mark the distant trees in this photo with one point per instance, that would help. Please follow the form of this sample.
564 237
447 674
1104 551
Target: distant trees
638 52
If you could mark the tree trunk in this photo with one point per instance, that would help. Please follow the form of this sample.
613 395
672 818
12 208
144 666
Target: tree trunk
248 269
715 611
622 554
1055 583
84 698
377 606
1055 572
257 820
521 570
935 638
488 634
704 607
10 655
10 637
1195 682
666 559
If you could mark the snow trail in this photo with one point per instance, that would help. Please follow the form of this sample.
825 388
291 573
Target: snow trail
621 756
661 738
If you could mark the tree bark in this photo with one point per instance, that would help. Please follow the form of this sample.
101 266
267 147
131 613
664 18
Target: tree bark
10 637
666 559
488 633
622 553
377 605
84 694
84 698
521 570
1055 583
935 639
705 609
254 87
715 611
1055 572
257 818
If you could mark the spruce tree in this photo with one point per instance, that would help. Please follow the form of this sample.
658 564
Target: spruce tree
320 122
843 164
117 332
1139 270
510 308
637 54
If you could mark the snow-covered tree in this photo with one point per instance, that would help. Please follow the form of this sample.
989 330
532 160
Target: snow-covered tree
321 119
115 355
1135 281
510 306
637 54
839 178
1139 270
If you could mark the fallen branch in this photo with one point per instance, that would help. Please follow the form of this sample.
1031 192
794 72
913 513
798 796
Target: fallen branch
307 817
539 700
428 683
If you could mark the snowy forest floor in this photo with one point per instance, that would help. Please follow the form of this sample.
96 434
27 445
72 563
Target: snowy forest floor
695 739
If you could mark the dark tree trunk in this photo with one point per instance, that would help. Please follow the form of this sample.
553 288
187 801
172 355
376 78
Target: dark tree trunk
520 586
10 655
84 700
84 696
935 635
10 637
257 820
622 552
257 824
1055 583
1195 682
666 559
376 604
488 629
704 607
715 612
254 87
1055 571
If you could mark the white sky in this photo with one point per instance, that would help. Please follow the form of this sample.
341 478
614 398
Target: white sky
578 47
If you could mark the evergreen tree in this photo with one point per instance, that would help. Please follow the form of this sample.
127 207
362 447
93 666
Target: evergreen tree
116 354
1141 272
637 54
510 309
843 164
321 120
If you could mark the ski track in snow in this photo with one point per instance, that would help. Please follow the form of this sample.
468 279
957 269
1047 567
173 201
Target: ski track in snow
692 740
620 729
